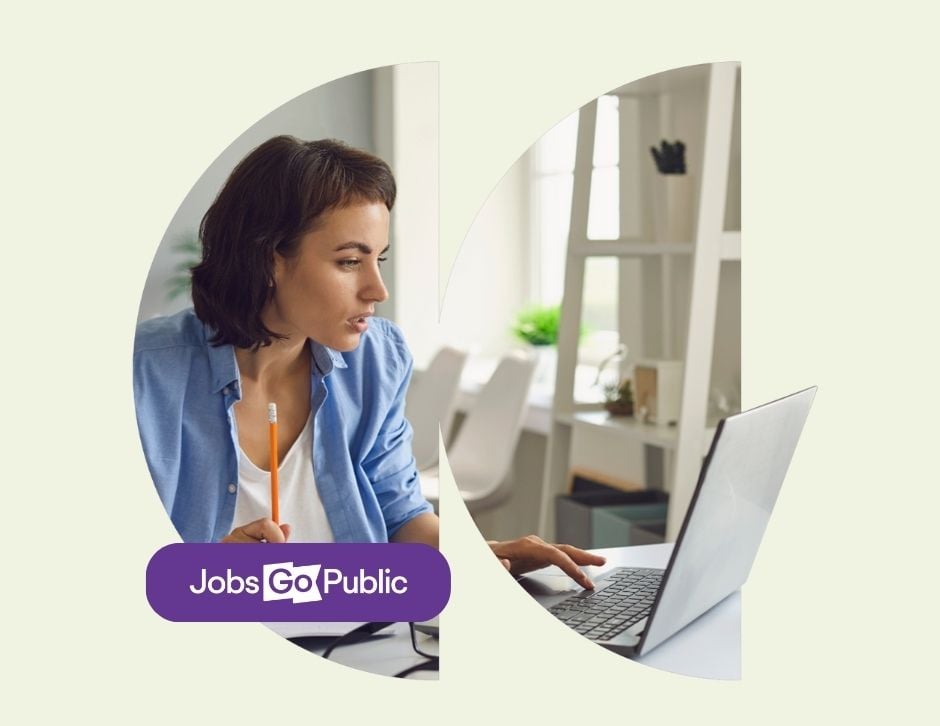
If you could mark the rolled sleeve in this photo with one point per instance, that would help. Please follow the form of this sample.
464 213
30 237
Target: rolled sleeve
390 465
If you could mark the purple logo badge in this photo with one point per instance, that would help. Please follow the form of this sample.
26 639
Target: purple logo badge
298 582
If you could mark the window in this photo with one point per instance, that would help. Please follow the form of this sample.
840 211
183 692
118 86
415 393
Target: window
552 183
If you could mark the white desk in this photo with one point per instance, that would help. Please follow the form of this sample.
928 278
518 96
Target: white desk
538 414
386 653
709 647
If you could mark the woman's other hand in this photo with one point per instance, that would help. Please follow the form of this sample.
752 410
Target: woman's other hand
261 530
532 553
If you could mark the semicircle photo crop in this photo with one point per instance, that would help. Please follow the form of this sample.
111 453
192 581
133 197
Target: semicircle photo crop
272 362
601 364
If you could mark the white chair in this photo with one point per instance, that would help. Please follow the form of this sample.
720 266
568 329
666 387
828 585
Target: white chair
430 403
481 456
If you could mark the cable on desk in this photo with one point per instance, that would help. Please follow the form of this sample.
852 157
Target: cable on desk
431 664
356 635
414 644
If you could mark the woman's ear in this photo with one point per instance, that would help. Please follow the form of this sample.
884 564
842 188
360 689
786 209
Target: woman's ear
277 272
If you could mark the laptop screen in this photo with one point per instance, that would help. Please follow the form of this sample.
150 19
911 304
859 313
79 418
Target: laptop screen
737 488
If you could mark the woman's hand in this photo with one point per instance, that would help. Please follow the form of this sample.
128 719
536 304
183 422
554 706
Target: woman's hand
532 553
261 530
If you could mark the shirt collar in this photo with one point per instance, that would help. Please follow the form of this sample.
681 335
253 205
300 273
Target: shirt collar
326 359
222 364
224 367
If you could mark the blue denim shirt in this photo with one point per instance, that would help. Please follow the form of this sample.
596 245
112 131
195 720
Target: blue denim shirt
184 389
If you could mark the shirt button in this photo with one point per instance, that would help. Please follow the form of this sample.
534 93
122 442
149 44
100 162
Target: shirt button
231 488
226 390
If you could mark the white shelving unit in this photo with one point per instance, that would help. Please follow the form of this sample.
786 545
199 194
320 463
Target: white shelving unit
679 279
664 437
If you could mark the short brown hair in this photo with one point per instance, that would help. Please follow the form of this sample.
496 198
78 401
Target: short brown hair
273 198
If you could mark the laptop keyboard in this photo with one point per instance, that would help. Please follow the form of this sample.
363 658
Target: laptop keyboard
603 614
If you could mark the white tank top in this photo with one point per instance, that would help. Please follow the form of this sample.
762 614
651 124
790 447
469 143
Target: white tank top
300 505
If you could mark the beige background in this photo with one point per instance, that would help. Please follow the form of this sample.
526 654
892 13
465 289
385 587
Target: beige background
111 114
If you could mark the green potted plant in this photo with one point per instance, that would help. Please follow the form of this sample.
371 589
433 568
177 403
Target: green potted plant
619 398
538 325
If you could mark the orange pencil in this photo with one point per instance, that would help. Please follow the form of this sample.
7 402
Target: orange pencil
272 462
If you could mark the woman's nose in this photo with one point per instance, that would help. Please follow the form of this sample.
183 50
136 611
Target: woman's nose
374 288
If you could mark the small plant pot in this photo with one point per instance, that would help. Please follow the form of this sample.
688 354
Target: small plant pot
619 409
546 357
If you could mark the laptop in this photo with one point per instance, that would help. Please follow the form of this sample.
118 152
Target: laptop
633 610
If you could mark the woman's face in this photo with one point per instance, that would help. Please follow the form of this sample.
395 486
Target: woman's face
328 290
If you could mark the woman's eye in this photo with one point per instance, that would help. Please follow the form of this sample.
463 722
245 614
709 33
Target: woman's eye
354 262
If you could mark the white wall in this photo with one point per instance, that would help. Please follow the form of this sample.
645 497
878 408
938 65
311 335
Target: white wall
341 109
489 282
413 264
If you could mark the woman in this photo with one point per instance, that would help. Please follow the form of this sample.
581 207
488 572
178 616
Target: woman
283 312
